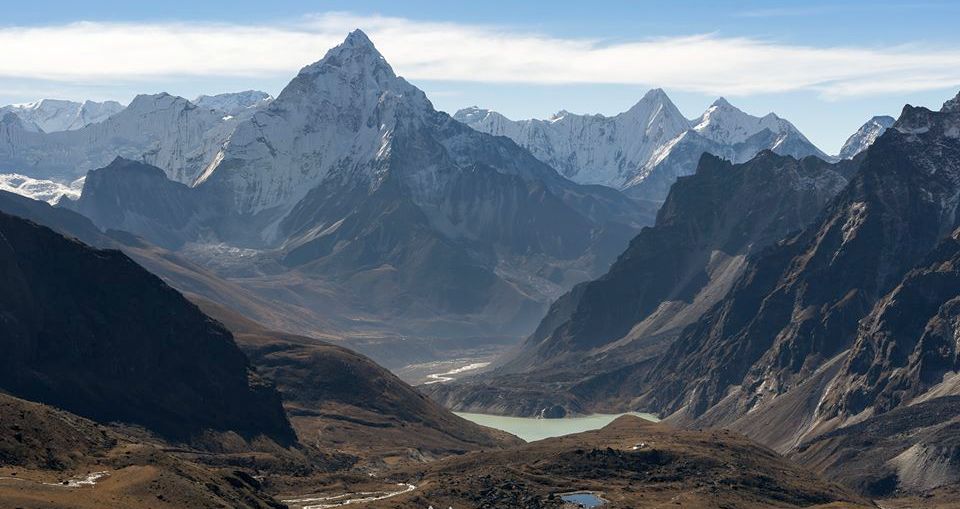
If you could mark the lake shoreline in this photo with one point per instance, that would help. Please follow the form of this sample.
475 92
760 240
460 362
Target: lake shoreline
531 429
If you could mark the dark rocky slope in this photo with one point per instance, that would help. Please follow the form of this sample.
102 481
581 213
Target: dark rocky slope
889 420
160 215
94 333
723 212
187 277
798 304
907 345
322 385
43 448
600 338
340 399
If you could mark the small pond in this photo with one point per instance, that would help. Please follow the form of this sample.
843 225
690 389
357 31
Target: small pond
583 499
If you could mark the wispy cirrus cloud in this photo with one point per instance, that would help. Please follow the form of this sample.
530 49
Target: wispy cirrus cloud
93 52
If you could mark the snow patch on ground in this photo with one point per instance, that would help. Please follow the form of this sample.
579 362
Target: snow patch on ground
79 482
38 189
448 376
361 497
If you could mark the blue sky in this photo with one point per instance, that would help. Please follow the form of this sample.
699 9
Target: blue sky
826 66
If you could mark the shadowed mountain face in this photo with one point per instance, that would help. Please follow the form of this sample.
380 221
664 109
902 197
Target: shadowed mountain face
906 346
160 214
798 304
350 179
176 270
601 337
94 333
340 399
323 386
889 419
707 225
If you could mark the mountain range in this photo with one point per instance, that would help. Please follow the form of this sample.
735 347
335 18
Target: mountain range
604 330
643 150
350 178
160 129
822 342
234 103
177 335
52 115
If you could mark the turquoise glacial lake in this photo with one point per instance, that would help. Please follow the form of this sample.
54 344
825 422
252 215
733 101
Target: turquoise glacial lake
531 428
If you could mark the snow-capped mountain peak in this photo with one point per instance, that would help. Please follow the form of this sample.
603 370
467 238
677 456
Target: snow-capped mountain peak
652 138
52 115
355 55
150 103
725 123
590 149
471 114
333 114
865 136
722 102
234 103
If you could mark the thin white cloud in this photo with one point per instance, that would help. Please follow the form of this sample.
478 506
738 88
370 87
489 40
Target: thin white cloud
95 52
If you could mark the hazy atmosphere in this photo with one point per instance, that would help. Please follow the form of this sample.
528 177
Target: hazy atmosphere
492 255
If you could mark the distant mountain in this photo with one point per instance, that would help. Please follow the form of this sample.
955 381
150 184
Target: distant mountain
44 190
52 115
350 175
144 201
92 332
591 149
644 149
865 136
835 346
234 103
167 131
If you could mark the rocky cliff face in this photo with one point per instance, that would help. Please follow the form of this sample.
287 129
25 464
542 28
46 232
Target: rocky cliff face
92 332
906 345
707 225
596 343
144 201
798 304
